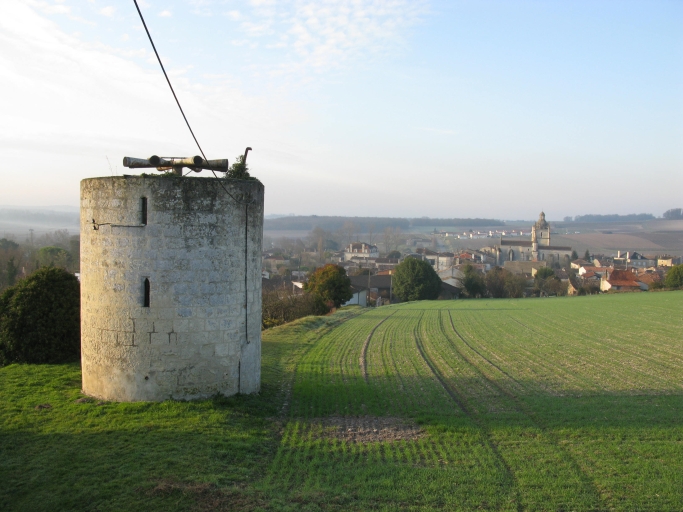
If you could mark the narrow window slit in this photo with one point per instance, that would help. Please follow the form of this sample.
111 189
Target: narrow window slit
146 299
143 211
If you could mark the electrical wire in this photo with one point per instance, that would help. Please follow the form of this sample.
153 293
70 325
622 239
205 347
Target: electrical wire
181 108
246 204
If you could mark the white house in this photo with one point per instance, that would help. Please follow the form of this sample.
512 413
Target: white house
360 250
360 297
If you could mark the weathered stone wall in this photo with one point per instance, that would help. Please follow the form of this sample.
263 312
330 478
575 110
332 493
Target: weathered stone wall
196 338
524 267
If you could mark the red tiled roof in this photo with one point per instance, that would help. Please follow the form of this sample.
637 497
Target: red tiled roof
623 278
649 278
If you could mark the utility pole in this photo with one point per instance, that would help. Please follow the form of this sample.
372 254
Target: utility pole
369 274
391 285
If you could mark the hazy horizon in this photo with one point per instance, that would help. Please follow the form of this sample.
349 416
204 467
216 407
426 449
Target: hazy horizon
76 209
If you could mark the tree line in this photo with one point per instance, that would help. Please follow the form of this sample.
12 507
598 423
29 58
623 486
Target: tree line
500 283
21 259
326 289
369 224
591 217
673 214
329 287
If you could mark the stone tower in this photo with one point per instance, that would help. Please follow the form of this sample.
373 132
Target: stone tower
540 235
542 230
170 287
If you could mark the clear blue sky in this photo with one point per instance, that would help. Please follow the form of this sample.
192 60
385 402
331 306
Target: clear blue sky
442 109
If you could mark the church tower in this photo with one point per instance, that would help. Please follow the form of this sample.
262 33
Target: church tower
542 229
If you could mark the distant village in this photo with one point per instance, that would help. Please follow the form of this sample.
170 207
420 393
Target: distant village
520 252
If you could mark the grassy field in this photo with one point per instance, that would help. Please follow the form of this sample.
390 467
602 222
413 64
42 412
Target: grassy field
532 404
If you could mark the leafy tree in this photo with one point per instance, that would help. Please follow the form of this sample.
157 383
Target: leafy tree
11 272
544 273
7 245
394 254
12 257
495 282
575 255
331 245
589 289
53 257
555 286
545 281
674 278
515 285
40 318
415 279
587 256
673 213
656 285
330 283
472 282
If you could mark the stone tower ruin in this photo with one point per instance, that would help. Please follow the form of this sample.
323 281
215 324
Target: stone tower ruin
170 287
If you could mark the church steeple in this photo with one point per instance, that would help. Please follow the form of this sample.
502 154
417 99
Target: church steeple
542 230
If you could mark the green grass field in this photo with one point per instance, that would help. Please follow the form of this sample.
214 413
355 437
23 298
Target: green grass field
532 404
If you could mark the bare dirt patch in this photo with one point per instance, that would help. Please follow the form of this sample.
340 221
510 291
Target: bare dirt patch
368 429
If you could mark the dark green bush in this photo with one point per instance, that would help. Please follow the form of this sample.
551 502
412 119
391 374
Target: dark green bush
416 280
280 307
674 277
40 319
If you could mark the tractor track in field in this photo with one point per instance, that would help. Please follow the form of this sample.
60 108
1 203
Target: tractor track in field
363 353
491 363
534 357
404 386
288 384
521 407
462 402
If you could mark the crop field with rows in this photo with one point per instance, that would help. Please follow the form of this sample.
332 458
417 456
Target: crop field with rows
532 404
548 404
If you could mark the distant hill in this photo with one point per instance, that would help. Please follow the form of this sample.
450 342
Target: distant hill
614 217
367 224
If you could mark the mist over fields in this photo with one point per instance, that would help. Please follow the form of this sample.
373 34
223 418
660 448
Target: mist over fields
599 233
16 221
